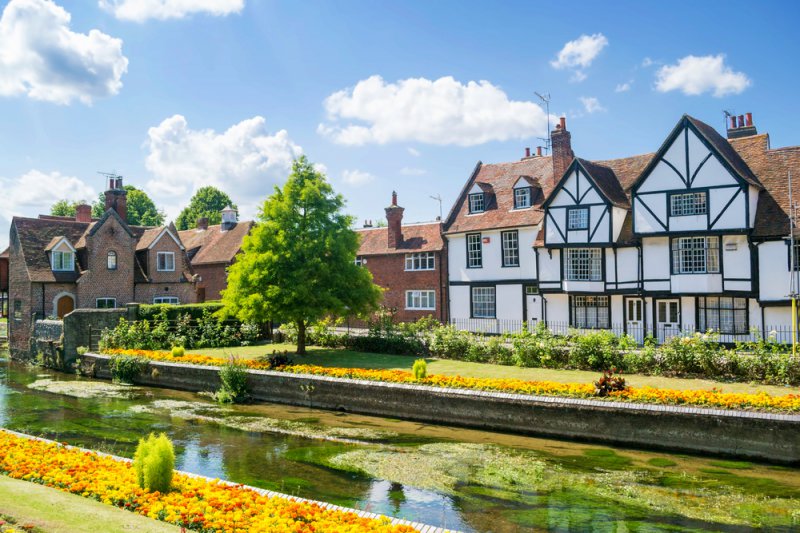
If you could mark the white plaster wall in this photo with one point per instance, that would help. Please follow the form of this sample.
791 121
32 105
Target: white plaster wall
655 257
734 216
549 265
459 301
584 286
773 270
617 219
688 223
662 178
534 306
779 320
561 198
492 257
643 221
752 196
697 283
735 263
713 174
556 220
688 313
558 308
599 222
509 302
628 264
617 313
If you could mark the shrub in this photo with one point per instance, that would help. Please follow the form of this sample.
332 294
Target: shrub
82 350
178 351
233 379
174 312
594 350
609 383
154 463
276 359
126 368
447 342
420 369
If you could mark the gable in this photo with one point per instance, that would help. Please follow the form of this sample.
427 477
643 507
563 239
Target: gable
575 188
688 159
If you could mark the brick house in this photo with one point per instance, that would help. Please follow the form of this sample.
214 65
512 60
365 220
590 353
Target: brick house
4 283
57 264
409 262
212 249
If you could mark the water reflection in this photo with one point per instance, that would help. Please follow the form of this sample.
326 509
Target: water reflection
455 478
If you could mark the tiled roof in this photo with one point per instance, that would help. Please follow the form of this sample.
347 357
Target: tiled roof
500 212
35 235
213 245
608 183
627 169
772 168
4 253
147 237
416 238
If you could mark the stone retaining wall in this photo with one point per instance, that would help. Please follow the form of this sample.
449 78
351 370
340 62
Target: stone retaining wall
742 434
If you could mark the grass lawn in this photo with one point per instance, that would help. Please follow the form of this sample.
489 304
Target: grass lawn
350 359
55 511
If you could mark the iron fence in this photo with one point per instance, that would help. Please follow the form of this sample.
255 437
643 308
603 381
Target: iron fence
638 332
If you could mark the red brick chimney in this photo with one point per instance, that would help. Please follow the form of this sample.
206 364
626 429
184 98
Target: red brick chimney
561 149
83 213
741 126
117 197
394 219
202 223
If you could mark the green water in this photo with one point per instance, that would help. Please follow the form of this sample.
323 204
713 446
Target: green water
460 479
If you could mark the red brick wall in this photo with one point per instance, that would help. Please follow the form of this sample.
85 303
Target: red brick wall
145 292
214 278
388 271
19 289
99 281
3 274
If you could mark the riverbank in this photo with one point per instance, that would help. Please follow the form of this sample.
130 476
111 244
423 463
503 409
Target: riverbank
765 436
195 501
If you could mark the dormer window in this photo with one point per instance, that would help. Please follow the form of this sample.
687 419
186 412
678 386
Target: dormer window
63 261
477 203
522 197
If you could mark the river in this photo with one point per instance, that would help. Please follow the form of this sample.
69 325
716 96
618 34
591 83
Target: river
461 479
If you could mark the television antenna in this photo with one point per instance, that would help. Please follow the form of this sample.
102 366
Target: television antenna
545 98
728 114
438 198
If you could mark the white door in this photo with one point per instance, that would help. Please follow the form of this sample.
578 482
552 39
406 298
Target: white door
634 319
668 319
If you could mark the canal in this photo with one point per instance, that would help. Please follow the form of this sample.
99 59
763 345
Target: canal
462 479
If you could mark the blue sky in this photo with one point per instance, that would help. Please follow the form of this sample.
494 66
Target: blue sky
384 95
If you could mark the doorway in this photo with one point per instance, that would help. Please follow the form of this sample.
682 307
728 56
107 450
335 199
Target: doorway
668 319
64 306
634 319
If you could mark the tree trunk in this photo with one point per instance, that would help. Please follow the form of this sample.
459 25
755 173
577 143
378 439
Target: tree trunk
301 337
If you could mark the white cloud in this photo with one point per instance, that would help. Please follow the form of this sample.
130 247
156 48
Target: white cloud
35 191
142 10
412 171
245 161
441 112
646 62
40 56
591 104
623 87
414 152
357 177
579 54
694 75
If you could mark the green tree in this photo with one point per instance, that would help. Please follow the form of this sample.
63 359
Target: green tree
207 202
63 208
298 263
142 211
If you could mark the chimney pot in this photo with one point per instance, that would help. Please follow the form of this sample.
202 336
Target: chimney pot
394 197
733 123
741 121
748 119
527 152
539 151
117 198
202 223
394 219
562 122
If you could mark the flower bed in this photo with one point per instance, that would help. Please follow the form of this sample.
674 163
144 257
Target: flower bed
708 398
196 503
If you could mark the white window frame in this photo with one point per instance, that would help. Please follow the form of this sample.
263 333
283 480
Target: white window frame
688 204
359 260
62 265
578 218
474 250
421 261
483 302
477 202
522 197
583 264
590 311
421 300
695 255
159 255
510 246
98 300
724 314
166 300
